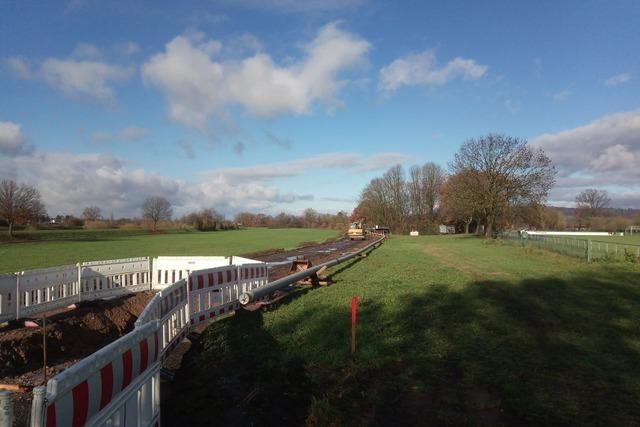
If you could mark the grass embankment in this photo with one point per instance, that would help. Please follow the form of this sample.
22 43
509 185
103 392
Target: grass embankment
70 246
452 330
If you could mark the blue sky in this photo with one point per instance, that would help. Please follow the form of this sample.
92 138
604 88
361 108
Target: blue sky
280 105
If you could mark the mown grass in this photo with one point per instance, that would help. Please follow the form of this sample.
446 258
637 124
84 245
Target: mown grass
72 246
452 330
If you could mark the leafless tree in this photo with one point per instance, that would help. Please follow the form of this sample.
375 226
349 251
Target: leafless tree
459 202
506 172
591 202
156 209
19 203
92 213
424 185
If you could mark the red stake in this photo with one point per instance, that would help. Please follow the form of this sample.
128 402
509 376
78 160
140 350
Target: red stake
354 321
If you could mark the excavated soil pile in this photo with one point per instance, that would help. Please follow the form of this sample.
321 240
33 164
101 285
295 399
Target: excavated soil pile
71 336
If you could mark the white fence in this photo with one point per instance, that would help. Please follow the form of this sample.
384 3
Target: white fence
119 385
32 292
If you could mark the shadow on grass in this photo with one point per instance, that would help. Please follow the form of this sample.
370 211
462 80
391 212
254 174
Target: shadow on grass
534 352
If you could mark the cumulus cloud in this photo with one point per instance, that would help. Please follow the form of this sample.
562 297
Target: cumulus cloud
12 140
422 69
119 187
198 84
604 153
130 133
81 74
618 79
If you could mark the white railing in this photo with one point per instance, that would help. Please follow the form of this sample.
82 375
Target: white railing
32 292
119 384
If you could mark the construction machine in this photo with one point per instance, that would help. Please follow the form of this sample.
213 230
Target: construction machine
357 230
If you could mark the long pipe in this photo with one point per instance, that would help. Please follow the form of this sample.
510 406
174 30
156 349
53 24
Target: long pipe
250 296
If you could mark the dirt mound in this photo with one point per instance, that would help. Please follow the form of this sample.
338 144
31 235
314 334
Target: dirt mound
70 335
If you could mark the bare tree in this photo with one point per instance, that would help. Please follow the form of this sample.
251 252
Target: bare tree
19 203
92 213
459 202
591 202
506 172
156 209
432 179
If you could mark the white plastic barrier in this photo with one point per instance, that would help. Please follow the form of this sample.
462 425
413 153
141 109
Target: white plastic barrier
252 275
213 292
47 289
31 292
118 385
170 269
8 287
103 279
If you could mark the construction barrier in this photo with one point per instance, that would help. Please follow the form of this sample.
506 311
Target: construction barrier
119 385
33 292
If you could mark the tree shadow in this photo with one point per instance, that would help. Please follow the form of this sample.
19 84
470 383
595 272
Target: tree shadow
238 375
543 351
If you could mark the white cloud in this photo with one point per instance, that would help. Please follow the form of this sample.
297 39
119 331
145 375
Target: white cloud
278 141
199 85
116 186
130 133
422 69
19 67
12 141
618 79
76 75
604 154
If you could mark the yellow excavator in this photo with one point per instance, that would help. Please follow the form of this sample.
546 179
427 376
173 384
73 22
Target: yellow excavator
357 230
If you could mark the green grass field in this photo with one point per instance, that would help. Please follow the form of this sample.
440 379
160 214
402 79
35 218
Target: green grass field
71 246
452 330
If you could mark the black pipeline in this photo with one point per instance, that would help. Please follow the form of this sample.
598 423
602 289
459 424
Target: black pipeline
254 294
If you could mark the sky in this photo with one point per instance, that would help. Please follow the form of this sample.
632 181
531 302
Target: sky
279 105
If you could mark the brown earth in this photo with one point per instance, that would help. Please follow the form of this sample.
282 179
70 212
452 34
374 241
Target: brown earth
71 336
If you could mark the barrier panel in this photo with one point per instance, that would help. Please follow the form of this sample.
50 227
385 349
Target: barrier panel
252 276
8 288
119 385
170 269
46 289
212 292
102 279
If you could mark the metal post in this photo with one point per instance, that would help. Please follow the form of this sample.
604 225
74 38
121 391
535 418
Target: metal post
44 346
79 282
17 295
37 406
6 409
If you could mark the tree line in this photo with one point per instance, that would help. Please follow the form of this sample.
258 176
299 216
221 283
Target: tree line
490 181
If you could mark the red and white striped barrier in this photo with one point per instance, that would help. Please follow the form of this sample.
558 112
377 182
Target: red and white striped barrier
117 385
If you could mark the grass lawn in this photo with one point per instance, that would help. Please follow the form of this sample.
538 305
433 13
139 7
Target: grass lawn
452 330
71 246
